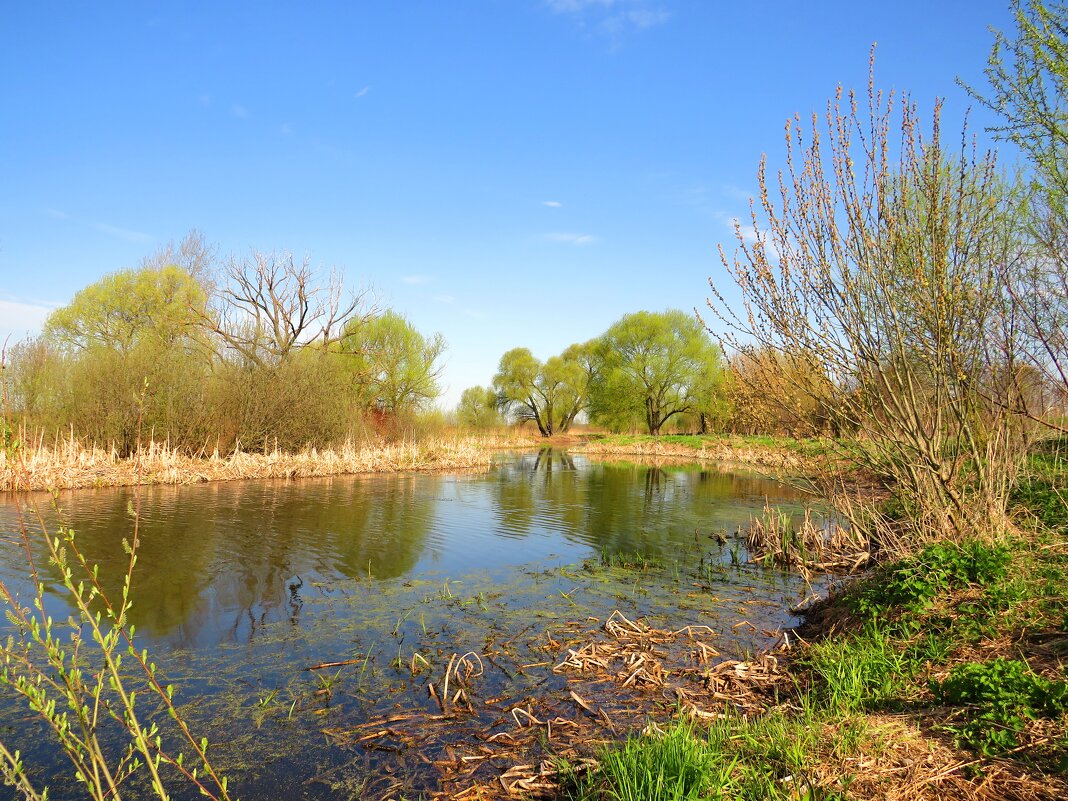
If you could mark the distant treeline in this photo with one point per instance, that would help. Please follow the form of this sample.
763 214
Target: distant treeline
262 351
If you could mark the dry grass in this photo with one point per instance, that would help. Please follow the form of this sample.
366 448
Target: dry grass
806 546
711 451
71 464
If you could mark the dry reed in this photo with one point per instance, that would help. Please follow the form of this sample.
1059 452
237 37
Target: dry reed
70 463
806 546
713 451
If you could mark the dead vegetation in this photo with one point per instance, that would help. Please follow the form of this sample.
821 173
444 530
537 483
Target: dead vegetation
70 464
621 676
808 546
735 449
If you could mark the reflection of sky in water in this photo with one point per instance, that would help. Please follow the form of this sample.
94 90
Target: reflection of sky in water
246 584
216 559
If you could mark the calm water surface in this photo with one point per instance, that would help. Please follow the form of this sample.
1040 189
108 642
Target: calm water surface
241 586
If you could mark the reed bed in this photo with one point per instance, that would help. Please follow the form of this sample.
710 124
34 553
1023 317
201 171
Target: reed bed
71 464
709 451
810 547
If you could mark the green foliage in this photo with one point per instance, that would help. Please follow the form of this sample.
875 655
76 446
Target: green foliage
997 698
1028 74
868 671
477 408
911 584
550 394
741 759
393 365
674 767
130 307
1046 498
656 365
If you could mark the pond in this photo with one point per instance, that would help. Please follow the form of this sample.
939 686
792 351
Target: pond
243 588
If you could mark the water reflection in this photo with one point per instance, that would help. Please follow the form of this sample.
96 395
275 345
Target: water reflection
218 562
241 586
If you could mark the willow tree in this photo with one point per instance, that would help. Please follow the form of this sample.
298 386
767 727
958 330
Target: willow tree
876 264
134 356
395 366
551 394
478 409
656 365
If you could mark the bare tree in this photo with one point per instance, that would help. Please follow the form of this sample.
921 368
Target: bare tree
877 267
194 254
270 306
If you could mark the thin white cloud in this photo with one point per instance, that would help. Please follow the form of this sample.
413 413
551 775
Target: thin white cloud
285 129
639 18
445 299
362 92
416 279
127 234
552 204
736 192
475 313
121 233
571 239
21 318
239 111
613 18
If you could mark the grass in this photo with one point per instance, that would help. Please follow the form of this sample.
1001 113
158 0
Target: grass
777 452
733 758
956 653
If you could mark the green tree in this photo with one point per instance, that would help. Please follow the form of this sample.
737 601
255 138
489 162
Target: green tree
136 356
478 408
553 393
128 308
1028 76
395 365
656 365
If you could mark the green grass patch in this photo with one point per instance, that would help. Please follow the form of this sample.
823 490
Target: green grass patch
995 701
735 758
911 584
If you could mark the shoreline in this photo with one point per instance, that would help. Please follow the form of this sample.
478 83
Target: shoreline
74 467
71 465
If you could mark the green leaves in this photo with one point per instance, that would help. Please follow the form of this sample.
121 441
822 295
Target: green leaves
126 308
394 363
551 394
998 697
911 583
656 365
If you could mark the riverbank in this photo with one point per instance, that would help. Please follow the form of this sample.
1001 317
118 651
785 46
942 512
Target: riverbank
779 453
72 465
941 676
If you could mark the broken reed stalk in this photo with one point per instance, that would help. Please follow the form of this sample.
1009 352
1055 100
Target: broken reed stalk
774 538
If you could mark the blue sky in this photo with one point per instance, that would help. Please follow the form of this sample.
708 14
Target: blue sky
505 172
